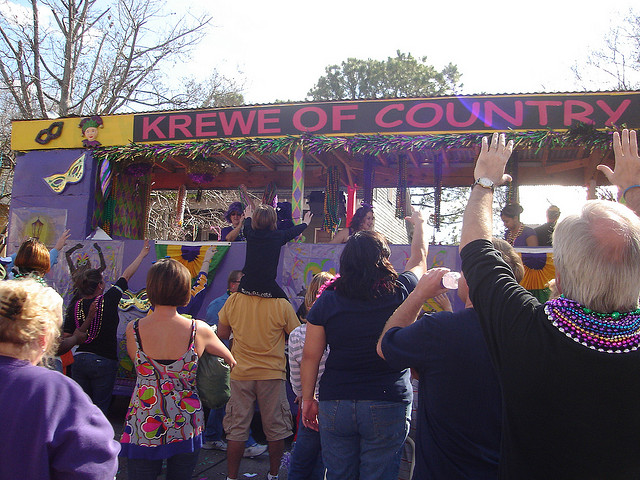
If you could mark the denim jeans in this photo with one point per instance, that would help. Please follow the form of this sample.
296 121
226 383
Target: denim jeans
97 376
179 467
362 439
214 430
306 457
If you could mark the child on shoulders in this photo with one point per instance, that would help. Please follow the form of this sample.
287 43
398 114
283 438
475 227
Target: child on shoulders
264 242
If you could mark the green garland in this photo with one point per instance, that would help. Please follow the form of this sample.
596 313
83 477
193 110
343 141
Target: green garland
581 136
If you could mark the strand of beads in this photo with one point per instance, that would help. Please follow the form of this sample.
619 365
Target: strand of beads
96 323
615 332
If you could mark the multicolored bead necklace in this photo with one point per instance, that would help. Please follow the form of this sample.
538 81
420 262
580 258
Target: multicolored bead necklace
616 332
96 323
513 234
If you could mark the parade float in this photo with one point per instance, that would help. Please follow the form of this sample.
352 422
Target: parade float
94 174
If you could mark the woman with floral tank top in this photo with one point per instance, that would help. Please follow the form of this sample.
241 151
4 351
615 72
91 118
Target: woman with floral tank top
165 418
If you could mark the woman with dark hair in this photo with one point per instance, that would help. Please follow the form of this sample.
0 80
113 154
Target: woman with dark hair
517 234
165 418
362 220
235 216
364 409
95 362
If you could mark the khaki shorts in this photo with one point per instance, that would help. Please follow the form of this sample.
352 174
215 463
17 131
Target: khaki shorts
274 409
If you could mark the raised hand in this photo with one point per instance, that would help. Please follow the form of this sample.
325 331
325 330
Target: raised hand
430 284
307 218
627 162
62 240
493 159
416 217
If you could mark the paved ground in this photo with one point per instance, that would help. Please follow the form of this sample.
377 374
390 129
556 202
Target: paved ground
212 464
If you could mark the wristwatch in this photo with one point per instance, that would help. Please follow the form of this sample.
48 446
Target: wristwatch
484 182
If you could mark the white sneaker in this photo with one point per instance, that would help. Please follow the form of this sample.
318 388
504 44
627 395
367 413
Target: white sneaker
215 445
254 450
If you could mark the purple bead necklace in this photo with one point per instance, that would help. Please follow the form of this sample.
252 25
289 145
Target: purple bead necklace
613 332
96 323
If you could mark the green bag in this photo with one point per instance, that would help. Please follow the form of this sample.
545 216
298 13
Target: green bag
212 381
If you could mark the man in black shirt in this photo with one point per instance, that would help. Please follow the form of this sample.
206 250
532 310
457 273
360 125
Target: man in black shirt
545 231
569 368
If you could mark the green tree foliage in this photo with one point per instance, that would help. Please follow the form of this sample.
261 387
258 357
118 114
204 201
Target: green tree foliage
399 76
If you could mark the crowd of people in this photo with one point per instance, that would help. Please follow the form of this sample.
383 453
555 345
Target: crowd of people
508 387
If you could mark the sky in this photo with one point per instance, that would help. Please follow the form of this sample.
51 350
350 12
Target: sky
282 47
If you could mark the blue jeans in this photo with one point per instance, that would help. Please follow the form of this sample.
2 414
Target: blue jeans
179 467
97 376
306 457
362 439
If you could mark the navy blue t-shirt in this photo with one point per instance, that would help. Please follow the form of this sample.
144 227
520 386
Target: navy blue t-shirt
459 401
353 370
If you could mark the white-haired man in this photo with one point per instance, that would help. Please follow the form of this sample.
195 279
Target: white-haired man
570 368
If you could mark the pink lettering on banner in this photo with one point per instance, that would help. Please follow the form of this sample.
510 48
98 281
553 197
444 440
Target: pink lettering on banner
381 122
437 115
614 115
179 122
263 120
201 124
542 109
490 108
152 127
473 116
579 116
338 116
237 119
321 119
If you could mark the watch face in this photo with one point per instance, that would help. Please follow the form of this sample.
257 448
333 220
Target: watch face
484 182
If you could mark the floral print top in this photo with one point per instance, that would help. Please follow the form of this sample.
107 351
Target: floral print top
165 414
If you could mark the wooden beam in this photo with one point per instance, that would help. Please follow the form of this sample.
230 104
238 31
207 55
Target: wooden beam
590 169
242 165
383 161
163 166
264 161
413 159
181 162
345 162
317 159
561 167
445 158
545 157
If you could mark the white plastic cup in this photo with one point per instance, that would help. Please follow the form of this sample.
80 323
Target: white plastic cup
450 280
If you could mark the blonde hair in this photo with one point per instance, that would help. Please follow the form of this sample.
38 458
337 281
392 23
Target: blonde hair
29 311
312 290
510 256
597 257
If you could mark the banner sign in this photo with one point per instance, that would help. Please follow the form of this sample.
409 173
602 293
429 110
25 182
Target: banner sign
457 114
300 262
